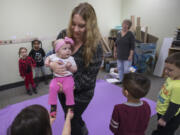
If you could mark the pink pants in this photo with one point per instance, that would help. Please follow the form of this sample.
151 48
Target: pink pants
67 87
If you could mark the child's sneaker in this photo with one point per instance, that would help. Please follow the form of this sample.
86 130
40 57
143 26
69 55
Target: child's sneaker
35 90
29 92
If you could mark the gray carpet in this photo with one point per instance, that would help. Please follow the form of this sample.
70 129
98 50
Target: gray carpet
15 95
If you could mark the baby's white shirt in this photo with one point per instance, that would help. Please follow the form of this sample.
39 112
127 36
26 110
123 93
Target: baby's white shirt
54 57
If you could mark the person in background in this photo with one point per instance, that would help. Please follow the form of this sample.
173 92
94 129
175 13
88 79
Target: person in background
87 52
132 117
26 64
124 49
35 120
61 35
38 54
168 104
52 51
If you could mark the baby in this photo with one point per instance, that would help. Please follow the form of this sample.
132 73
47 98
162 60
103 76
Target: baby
65 83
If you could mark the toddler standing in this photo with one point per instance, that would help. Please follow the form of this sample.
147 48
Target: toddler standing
132 117
168 104
38 54
25 69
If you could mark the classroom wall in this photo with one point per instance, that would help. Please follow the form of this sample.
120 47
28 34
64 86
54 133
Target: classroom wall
161 16
43 19
108 12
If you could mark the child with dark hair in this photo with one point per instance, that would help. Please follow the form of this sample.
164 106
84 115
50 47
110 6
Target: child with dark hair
132 117
38 54
32 120
25 69
35 120
168 104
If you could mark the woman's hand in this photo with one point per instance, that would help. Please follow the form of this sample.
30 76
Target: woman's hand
115 53
130 58
60 87
58 67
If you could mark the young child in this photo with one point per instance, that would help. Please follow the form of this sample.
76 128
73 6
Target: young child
168 104
35 120
132 117
25 69
52 51
63 54
38 54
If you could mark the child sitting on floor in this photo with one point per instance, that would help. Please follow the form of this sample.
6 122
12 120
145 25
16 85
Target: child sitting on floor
35 120
25 69
63 55
168 104
132 117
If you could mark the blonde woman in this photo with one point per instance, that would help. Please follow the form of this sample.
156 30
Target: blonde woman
87 53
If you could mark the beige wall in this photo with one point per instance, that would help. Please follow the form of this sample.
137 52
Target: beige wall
108 13
43 18
161 16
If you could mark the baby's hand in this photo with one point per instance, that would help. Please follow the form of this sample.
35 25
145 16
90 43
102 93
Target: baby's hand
68 65
161 122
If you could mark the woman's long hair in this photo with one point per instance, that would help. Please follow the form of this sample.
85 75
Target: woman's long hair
92 34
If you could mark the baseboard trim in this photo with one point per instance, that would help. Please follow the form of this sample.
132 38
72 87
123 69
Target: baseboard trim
18 84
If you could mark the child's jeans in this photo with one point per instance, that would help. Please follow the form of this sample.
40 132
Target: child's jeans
39 70
67 87
170 128
29 79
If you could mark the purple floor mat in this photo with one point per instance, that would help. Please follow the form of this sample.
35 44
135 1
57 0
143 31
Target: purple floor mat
97 116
